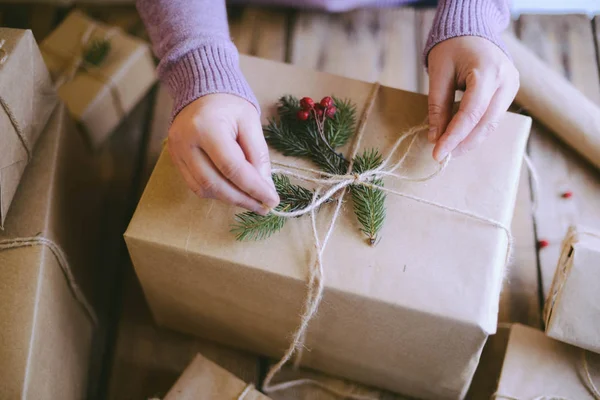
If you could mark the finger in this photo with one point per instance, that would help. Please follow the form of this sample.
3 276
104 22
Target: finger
489 123
187 176
441 98
212 184
227 156
253 144
479 91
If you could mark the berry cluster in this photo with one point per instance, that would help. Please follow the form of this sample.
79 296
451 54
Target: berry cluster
324 109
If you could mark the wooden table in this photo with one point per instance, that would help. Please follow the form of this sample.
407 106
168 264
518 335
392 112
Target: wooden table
386 45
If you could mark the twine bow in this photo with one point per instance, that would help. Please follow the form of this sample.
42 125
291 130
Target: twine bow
7 244
331 185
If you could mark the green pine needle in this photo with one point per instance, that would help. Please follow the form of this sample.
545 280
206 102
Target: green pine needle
341 127
96 51
281 137
252 226
369 202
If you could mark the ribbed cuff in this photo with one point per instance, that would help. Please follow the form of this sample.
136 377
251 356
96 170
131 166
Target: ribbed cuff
211 68
482 18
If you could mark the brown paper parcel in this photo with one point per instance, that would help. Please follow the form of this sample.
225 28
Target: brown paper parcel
47 326
572 310
27 99
203 379
538 367
410 315
98 96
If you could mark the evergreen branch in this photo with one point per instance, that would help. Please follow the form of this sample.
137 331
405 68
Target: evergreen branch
252 226
282 138
369 202
341 128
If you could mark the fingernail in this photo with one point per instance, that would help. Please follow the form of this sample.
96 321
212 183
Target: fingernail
432 135
262 209
441 155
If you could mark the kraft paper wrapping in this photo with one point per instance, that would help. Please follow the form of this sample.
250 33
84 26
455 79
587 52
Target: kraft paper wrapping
46 332
410 315
203 379
572 312
99 97
538 367
556 103
27 99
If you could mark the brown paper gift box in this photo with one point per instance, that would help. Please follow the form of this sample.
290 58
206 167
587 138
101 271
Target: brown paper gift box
27 99
203 379
410 315
46 330
538 367
572 310
99 97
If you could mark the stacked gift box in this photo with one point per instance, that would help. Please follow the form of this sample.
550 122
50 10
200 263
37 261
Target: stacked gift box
403 315
55 108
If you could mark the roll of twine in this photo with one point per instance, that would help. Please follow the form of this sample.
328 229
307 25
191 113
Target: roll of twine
332 185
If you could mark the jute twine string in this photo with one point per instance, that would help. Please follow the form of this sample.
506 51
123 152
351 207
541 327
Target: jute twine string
78 62
558 283
8 244
11 116
247 390
331 185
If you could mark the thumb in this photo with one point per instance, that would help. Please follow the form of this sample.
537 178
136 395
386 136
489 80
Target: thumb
441 98
254 146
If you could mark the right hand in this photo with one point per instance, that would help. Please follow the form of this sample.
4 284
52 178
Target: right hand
218 145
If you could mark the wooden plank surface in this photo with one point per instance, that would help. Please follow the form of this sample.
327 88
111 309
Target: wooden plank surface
368 45
566 44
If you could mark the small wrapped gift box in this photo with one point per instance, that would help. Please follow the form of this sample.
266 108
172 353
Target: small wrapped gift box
100 71
538 367
410 314
27 98
203 379
48 253
572 311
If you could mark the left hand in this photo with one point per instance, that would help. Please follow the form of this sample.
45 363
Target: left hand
490 82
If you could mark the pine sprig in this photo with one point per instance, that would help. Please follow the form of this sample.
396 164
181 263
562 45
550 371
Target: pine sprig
341 128
368 201
252 226
282 138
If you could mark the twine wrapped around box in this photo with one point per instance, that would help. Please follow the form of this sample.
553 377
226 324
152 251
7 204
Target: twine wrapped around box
336 185
15 243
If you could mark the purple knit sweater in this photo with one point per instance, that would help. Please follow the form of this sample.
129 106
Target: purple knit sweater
197 57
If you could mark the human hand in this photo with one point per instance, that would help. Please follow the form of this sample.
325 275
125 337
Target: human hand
490 81
217 144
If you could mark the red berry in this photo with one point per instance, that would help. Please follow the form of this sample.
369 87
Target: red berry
307 103
319 111
567 195
543 243
330 112
303 115
327 102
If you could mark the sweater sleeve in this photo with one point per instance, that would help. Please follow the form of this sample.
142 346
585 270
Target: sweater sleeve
197 57
483 18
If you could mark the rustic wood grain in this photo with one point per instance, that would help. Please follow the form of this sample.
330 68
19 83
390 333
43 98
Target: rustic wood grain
424 23
566 44
368 45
